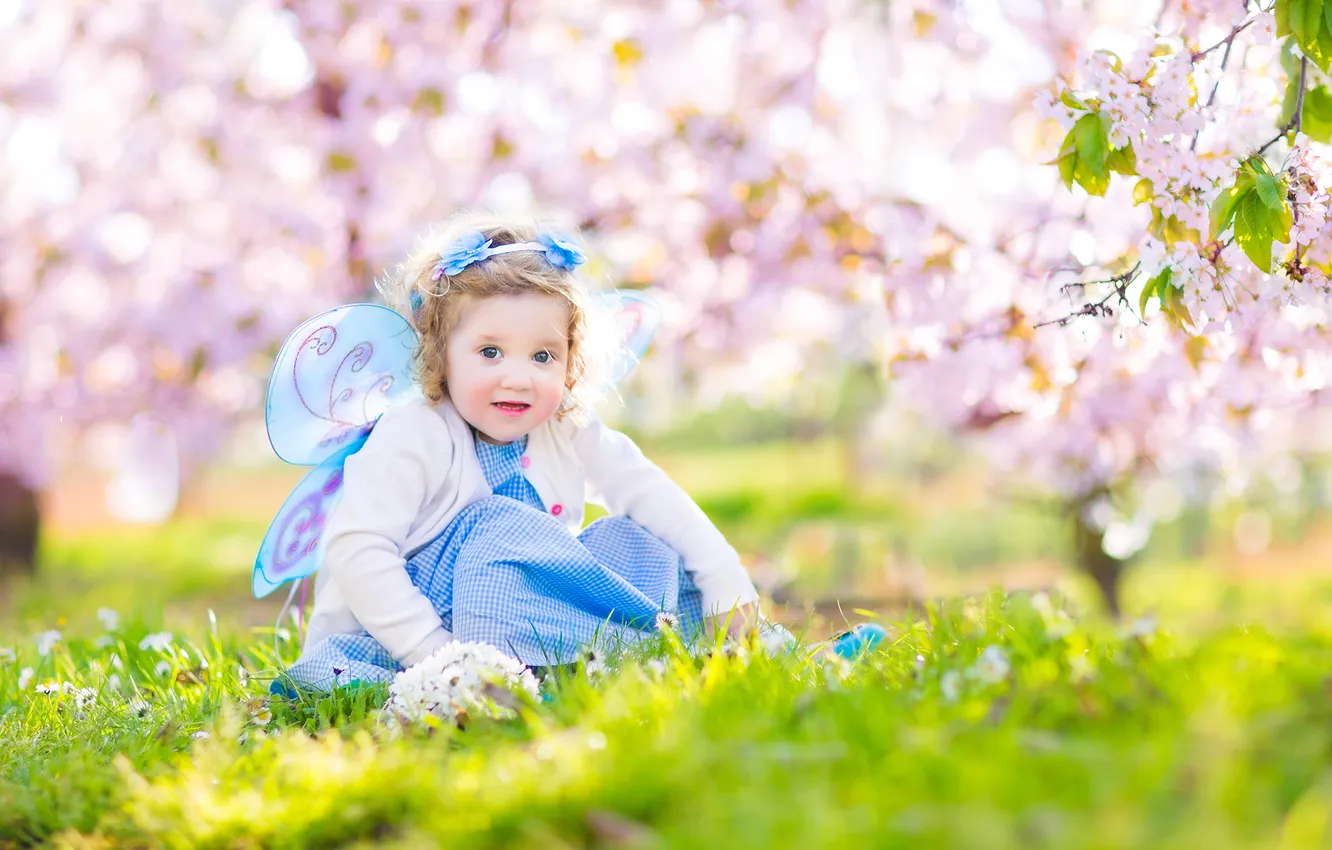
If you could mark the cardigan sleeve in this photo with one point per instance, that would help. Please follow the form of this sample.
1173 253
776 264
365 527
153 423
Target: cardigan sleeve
626 483
386 484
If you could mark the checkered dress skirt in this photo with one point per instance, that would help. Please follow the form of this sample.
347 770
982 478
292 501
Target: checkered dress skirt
506 573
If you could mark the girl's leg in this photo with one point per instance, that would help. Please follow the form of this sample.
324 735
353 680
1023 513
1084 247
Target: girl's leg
523 583
649 564
340 660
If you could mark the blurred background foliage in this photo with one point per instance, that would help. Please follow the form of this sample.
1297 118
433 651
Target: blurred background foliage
839 503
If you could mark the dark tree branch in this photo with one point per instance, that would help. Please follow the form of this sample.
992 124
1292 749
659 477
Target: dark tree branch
1120 284
1225 58
1225 42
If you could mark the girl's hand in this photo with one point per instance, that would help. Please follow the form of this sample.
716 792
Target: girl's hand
737 622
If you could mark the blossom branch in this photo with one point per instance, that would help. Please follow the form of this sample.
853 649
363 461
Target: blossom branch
1120 285
1221 73
1227 41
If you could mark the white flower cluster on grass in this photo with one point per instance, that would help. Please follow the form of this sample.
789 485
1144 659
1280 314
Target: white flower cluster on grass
157 641
991 668
46 642
110 619
83 697
460 683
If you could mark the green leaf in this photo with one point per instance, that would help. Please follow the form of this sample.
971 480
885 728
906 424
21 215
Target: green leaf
1298 21
1321 49
1071 100
1083 156
1115 63
1143 191
1270 191
1282 15
1067 162
1155 286
1313 18
1252 233
1288 101
1123 161
1172 302
1280 222
1327 15
1304 21
1090 136
1223 209
1255 166
1308 21
1316 117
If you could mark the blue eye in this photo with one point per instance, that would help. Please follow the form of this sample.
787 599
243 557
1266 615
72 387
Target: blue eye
543 357
490 352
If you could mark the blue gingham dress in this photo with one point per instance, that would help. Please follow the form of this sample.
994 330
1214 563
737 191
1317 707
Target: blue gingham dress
506 573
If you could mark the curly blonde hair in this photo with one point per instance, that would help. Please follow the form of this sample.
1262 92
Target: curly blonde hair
440 301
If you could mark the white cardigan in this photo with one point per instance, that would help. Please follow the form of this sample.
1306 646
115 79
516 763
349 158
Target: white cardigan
419 468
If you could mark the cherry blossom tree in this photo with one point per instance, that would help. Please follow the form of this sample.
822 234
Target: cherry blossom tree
184 182
161 224
1109 277
1163 308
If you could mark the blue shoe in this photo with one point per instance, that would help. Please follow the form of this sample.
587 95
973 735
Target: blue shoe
859 640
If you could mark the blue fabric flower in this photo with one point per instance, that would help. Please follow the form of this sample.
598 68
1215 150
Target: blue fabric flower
561 252
416 300
469 248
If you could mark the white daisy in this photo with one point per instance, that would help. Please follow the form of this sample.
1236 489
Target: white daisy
1140 628
46 641
110 619
596 665
157 642
25 678
459 683
163 668
950 684
8 655
992 666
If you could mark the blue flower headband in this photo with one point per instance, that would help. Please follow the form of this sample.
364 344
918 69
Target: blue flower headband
474 247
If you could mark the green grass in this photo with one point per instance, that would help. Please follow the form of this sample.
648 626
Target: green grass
1092 738
1214 732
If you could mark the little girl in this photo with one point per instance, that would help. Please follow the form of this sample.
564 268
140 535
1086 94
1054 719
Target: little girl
460 516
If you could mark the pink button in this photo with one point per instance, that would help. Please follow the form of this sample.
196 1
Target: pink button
557 510
526 461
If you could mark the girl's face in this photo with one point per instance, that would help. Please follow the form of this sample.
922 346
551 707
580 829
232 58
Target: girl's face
506 361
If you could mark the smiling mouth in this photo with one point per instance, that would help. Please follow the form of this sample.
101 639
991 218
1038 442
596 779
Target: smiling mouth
511 407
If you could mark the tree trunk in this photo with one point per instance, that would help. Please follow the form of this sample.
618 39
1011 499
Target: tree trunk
1091 559
20 519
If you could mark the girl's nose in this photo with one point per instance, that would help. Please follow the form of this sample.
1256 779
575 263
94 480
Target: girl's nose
515 377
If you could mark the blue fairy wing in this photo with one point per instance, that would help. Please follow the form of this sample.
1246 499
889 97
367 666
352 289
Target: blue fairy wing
293 546
635 316
335 375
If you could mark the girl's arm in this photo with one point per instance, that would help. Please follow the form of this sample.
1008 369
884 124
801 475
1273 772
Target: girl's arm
387 483
626 483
